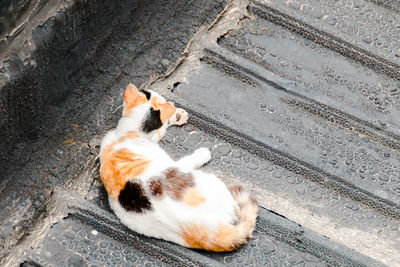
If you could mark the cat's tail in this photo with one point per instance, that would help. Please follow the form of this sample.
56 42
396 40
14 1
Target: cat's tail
247 209
226 237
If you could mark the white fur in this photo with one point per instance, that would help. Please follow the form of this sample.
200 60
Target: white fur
168 215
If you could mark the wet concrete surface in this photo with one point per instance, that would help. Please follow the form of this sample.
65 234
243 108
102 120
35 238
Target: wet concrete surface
298 101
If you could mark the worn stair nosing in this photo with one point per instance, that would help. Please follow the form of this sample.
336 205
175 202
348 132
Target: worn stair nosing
328 40
273 225
314 107
390 4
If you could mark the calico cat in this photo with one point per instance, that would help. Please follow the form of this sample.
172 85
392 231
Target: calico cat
156 196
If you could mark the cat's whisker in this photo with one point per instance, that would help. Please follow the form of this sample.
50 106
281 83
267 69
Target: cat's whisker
118 108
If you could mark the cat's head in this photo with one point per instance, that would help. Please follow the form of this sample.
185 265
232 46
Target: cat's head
149 109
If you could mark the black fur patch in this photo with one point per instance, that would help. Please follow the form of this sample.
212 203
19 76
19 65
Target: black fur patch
147 93
152 121
133 198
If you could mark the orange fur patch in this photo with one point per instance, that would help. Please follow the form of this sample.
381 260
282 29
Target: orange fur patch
167 109
192 197
132 99
180 186
176 182
119 166
201 238
128 135
223 238
196 236
155 103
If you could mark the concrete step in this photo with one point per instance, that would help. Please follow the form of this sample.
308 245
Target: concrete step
93 235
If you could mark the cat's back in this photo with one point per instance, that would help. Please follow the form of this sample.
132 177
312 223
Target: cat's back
126 156
131 141
107 140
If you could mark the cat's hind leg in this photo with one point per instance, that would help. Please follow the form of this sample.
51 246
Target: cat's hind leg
195 160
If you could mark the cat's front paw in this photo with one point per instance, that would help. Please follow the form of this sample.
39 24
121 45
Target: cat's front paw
180 117
203 155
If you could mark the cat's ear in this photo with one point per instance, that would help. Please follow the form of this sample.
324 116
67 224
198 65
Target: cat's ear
166 111
131 93
155 103
132 98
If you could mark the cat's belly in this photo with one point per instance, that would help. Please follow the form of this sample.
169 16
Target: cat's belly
148 223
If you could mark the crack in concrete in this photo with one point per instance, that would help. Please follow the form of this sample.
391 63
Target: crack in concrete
228 20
